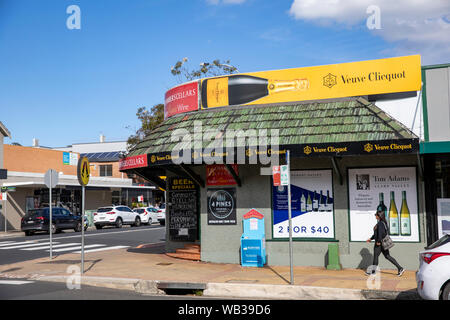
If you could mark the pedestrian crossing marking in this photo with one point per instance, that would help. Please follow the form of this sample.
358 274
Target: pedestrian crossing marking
10 243
53 246
15 282
18 246
78 247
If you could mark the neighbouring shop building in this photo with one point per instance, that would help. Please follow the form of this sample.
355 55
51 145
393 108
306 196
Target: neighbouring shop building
26 189
435 148
347 156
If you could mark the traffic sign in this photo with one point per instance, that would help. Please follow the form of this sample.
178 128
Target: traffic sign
83 171
284 175
51 178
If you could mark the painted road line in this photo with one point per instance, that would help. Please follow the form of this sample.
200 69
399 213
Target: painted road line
15 282
106 233
78 247
54 246
104 249
13 243
27 245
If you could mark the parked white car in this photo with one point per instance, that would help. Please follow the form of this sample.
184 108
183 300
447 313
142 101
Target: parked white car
433 277
116 216
162 214
148 214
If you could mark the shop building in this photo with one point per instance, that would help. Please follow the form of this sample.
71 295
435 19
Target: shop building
435 148
26 188
347 157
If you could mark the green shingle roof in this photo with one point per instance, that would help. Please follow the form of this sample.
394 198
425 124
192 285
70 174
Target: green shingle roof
350 120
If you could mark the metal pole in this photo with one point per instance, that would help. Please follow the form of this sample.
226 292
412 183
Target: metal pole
6 204
82 227
290 218
50 213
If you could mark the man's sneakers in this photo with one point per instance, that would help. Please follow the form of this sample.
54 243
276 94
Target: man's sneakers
400 272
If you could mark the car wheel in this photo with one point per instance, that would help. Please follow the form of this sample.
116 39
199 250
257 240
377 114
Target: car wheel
98 227
446 292
119 223
150 221
137 222
28 233
77 227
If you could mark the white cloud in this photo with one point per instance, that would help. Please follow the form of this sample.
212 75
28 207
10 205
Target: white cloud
413 26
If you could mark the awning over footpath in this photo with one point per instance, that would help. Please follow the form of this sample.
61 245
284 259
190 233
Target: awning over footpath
343 127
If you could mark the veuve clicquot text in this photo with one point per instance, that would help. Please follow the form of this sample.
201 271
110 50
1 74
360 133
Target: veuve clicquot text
242 89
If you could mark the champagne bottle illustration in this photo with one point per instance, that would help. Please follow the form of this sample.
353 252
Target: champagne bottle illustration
321 202
315 202
393 217
309 203
303 203
382 207
329 202
242 89
405 217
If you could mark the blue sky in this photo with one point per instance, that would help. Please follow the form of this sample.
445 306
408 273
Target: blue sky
69 86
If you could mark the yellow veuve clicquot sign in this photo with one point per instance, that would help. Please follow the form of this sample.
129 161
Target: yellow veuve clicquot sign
83 171
382 76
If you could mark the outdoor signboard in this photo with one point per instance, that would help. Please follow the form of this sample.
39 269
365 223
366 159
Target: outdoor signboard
221 206
133 162
182 209
362 78
312 204
394 191
218 175
180 99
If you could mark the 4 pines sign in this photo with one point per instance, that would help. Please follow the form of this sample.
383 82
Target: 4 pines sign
221 206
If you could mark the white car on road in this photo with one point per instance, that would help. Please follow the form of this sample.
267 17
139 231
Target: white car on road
148 214
433 277
162 214
116 216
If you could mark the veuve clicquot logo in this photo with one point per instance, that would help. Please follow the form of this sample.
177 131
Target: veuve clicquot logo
242 89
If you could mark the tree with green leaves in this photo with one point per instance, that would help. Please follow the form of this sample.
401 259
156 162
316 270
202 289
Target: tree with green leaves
150 119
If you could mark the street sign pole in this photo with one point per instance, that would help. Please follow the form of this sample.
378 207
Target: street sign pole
83 173
83 190
290 217
6 204
50 229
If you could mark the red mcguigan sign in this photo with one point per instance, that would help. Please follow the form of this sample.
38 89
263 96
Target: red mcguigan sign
181 99
133 162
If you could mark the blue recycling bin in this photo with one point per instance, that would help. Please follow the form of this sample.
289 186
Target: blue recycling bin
253 240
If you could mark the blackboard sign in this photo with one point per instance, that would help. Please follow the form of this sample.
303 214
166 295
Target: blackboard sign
183 211
221 206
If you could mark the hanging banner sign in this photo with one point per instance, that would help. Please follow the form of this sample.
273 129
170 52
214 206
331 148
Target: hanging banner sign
133 162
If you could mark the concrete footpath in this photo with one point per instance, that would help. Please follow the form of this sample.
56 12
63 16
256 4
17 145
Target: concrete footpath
146 269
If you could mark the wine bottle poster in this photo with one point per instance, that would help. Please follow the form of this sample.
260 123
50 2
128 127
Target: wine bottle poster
391 75
311 205
391 189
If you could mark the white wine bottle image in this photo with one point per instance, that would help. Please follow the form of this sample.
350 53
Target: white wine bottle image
321 202
329 203
393 217
315 202
242 89
303 203
382 207
405 217
309 206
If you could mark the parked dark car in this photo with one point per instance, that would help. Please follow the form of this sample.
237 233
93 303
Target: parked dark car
38 220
